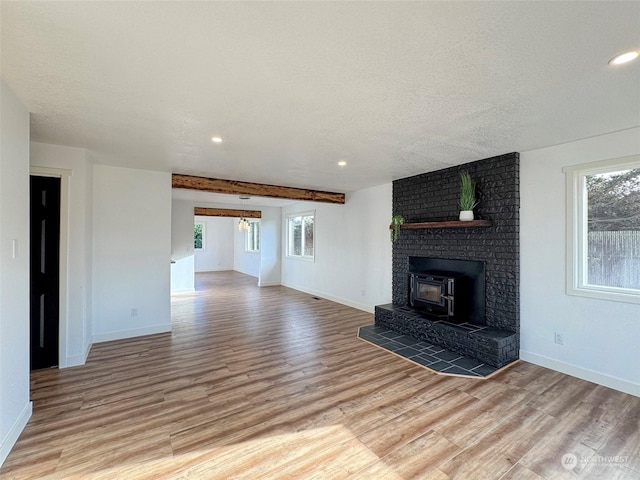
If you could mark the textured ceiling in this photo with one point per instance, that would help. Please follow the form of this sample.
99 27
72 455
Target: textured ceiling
394 88
233 201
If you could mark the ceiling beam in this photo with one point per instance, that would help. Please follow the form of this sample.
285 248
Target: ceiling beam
227 212
233 187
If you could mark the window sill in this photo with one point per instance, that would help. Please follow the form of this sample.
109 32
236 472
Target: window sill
624 295
304 259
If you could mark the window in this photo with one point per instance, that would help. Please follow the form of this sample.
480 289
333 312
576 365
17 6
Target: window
300 236
603 255
253 237
198 236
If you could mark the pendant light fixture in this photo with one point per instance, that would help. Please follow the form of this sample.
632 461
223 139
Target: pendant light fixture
243 224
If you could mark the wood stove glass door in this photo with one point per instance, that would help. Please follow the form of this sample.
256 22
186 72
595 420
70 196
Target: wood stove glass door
428 292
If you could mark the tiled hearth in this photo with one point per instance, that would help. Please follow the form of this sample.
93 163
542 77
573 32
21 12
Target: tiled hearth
489 345
426 354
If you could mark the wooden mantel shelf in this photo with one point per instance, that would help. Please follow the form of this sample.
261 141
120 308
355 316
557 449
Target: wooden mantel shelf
448 224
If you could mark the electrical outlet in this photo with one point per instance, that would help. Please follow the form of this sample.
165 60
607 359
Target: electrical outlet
557 338
134 312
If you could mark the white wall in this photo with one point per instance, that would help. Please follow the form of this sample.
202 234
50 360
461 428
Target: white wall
600 336
131 252
75 329
352 250
182 271
183 275
266 265
270 246
15 407
219 244
88 263
243 261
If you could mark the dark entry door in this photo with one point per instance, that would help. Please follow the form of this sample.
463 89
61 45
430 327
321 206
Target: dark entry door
45 271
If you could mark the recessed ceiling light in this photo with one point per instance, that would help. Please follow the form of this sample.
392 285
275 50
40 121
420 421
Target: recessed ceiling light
216 139
342 163
624 58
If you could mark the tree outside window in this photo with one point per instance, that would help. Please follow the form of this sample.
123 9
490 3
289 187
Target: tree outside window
613 229
198 236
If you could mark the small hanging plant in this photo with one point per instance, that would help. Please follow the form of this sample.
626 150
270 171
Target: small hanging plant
467 192
396 221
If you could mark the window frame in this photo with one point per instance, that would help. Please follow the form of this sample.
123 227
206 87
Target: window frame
287 249
577 223
248 235
204 237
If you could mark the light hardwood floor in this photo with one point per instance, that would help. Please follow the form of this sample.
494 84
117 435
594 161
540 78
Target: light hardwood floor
269 383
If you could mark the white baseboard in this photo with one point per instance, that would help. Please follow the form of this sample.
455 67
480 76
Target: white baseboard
223 269
343 301
86 352
245 273
268 284
136 332
583 373
77 360
12 436
74 361
183 290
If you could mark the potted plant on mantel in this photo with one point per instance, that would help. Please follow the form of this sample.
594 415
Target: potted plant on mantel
467 197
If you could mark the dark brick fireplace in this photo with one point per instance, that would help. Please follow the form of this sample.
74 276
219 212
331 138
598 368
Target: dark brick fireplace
434 197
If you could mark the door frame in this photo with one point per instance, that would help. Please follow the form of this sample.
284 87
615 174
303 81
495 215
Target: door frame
63 321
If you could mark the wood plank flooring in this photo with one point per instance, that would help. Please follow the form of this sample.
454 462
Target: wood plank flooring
269 383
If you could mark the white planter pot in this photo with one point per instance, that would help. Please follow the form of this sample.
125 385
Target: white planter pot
466 215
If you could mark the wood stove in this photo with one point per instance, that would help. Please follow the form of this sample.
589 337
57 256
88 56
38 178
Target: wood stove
433 292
